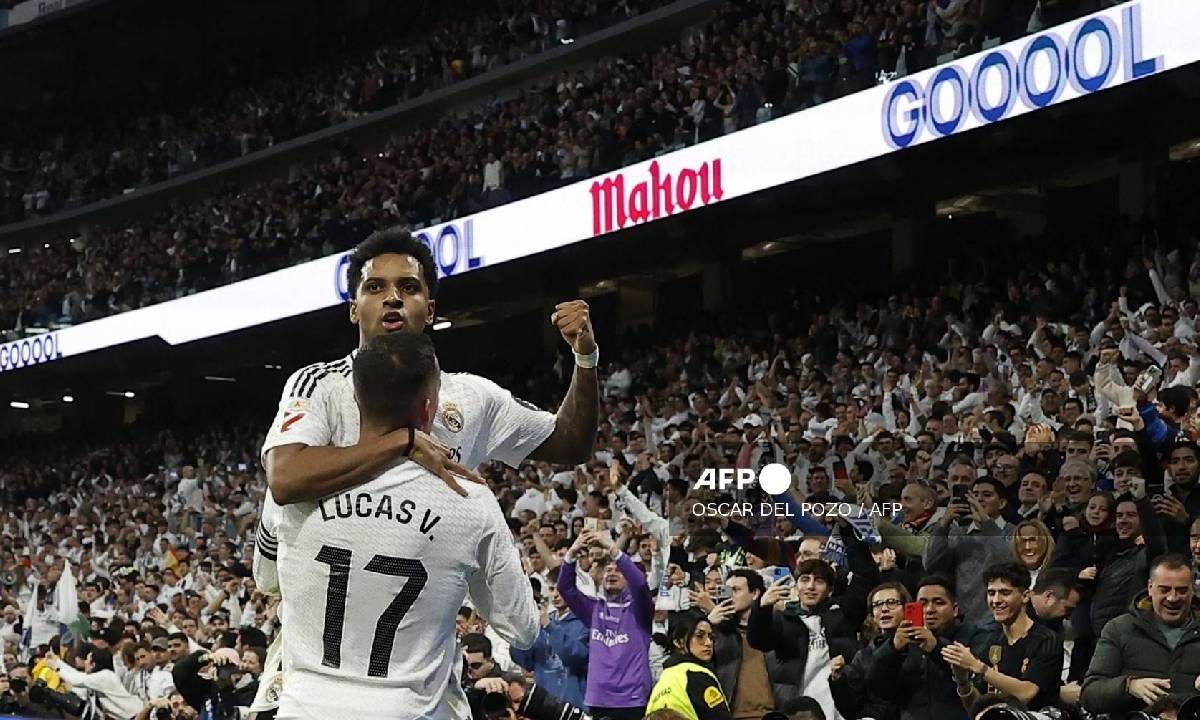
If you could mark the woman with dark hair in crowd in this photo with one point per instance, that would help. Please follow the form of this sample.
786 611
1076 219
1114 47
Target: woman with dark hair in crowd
688 685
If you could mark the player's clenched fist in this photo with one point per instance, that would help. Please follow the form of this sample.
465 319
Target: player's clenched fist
574 320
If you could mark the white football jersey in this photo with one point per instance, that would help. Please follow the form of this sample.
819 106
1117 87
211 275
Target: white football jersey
372 579
476 418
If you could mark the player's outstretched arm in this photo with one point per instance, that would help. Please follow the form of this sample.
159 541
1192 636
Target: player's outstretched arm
579 415
303 473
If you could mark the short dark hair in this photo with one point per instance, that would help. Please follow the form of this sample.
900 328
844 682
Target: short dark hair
177 636
477 643
1013 573
754 581
1166 703
705 539
989 480
1059 582
259 652
1175 399
1170 561
804 704
102 659
397 240
252 636
393 373
938 580
994 700
1126 458
816 567
227 639
1187 445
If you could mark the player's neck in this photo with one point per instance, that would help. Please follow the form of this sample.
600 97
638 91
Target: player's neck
369 429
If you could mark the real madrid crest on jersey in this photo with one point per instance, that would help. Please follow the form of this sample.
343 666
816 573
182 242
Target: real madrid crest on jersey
275 689
452 417
994 654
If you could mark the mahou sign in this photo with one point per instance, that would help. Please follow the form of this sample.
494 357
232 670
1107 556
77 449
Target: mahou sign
618 201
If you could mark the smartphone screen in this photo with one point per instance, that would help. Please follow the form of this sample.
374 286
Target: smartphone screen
591 523
914 613
839 470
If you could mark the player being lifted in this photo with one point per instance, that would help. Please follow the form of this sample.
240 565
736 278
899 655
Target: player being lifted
313 448
372 578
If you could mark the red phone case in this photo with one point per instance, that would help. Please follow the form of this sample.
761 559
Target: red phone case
914 613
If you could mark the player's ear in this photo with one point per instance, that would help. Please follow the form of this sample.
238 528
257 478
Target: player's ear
428 408
354 312
430 312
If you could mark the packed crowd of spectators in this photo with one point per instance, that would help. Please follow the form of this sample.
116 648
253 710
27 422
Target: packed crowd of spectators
1033 414
752 61
46 168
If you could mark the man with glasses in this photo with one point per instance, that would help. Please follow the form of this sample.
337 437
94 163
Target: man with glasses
1006 469
909 669
477 654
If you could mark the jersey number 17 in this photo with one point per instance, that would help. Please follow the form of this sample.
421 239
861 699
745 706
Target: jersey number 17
338 560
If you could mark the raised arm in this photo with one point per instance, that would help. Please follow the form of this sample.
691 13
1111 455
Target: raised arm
579 415
580 604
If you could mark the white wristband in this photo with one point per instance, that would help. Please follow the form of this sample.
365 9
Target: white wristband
587 362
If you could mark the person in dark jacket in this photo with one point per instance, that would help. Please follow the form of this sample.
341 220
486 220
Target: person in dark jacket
1123 573
747 675
199 678
909 670
854 697
786 628
688 685
1016 657
1151 651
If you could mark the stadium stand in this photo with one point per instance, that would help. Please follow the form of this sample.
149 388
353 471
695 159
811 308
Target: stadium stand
1014 410
752 61
989 361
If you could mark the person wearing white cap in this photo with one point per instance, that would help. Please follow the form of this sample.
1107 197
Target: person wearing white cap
10 625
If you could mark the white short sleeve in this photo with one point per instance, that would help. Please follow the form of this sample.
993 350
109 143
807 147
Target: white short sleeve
303 415
513 427
266 546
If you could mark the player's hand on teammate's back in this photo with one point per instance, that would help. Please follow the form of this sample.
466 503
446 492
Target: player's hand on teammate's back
574 320
433 455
